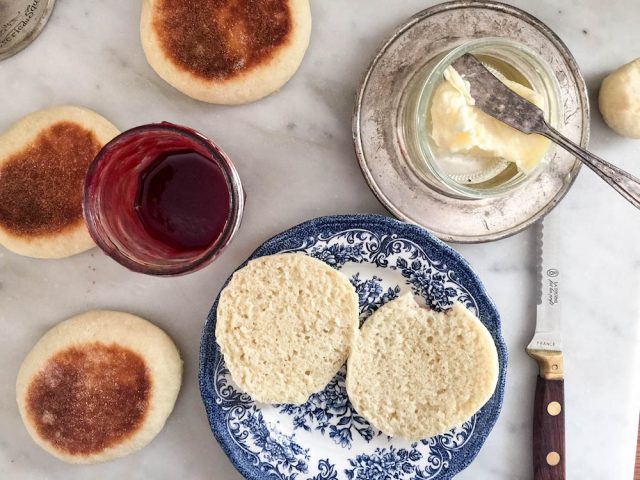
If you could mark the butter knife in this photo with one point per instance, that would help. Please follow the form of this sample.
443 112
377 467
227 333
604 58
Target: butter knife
546 349
496 99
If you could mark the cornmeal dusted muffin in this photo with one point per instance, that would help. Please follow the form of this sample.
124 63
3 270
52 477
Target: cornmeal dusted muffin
44 159
98 386
225 51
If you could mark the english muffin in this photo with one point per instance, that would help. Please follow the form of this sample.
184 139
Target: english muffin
43 162
225 51
98 386
285 324
416 373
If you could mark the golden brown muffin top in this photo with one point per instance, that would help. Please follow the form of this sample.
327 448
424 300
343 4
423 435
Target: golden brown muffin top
218 39
89 397
41 186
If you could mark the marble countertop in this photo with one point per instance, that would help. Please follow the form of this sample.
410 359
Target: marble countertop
294 153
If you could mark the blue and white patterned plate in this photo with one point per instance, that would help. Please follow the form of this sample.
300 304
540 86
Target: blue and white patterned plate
325 439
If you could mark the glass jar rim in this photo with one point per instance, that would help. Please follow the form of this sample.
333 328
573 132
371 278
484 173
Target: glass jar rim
236 194
433 79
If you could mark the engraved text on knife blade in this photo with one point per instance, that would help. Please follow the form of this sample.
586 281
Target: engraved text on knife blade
548 324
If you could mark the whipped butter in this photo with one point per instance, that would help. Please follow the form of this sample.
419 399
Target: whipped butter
460 128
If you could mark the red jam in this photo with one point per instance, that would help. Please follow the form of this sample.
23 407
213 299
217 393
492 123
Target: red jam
162 199
183 200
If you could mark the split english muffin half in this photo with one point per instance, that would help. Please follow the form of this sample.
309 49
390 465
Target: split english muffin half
285 325
417 373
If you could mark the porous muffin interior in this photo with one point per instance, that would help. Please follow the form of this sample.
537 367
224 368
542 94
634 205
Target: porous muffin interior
285 324
416 373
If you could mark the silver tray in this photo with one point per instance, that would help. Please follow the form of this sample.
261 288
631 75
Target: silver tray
424 36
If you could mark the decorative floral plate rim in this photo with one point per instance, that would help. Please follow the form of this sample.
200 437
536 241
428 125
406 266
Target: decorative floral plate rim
285 458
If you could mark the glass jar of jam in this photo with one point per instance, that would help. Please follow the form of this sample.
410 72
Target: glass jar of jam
162 199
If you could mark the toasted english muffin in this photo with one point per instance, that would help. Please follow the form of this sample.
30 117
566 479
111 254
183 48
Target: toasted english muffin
225 51
416 373
285 325
43 163
98 386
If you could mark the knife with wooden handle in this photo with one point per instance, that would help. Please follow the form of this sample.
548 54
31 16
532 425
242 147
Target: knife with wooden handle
496 99
546 349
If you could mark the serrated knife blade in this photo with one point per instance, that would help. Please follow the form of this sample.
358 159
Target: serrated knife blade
546 348
548 333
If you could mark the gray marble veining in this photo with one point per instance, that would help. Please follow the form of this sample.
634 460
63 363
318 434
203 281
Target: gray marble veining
295 156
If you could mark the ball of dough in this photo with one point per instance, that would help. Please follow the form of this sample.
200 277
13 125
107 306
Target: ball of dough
620 100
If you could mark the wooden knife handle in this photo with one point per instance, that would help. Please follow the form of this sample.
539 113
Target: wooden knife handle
548 430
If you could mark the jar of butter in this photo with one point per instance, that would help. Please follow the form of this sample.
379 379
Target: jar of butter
458 148
463 176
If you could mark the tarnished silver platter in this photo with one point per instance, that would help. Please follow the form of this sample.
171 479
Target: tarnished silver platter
424 36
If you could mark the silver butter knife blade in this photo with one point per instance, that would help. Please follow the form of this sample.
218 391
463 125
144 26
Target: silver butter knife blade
548 334
496 99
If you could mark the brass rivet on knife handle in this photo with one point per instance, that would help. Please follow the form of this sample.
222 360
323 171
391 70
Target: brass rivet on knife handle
554 409
550 363
553 458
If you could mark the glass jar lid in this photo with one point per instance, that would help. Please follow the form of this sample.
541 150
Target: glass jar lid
21 21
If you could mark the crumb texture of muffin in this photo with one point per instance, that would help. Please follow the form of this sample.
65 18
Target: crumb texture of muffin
285 325
415 373
98 386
